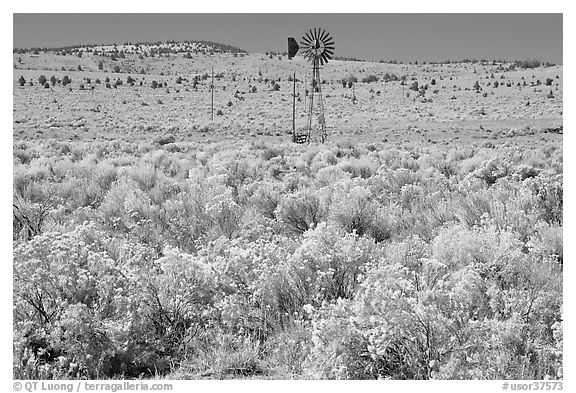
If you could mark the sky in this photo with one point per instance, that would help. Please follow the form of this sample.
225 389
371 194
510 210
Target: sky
406 37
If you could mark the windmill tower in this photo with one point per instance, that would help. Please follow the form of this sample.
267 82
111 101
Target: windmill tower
317 47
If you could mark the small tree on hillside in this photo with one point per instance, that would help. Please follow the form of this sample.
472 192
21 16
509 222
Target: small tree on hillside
22 81
42 79
476 86
100 65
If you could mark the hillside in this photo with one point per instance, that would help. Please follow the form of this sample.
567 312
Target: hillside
507 101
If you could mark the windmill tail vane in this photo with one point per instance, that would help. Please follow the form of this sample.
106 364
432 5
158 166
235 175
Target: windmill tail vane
317 47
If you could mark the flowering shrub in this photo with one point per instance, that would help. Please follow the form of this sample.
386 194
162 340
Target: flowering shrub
66 290
300 211
344 261
176 302
329 264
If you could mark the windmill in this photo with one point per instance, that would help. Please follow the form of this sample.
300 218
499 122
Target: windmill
317 47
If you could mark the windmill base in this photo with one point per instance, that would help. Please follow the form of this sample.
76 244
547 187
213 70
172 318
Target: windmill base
300 138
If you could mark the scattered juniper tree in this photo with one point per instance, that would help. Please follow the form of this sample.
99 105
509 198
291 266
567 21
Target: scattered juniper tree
476 86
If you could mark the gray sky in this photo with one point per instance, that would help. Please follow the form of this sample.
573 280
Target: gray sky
407 37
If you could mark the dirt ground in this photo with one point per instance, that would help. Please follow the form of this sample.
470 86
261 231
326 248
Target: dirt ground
449 112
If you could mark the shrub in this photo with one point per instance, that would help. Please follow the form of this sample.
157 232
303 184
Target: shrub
164 139
42 80
300 211
491 170
67 290
549 191
330 264
177 300
370 78
186 220
355 212
22 81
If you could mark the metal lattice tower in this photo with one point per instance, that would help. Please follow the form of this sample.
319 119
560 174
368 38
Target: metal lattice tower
318 48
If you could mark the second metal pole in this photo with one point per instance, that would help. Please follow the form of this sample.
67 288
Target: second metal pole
212 93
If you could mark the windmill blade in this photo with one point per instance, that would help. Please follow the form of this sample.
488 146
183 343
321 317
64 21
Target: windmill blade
307 39
311 35
328 51
324 35
305 44
310 39
329 42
